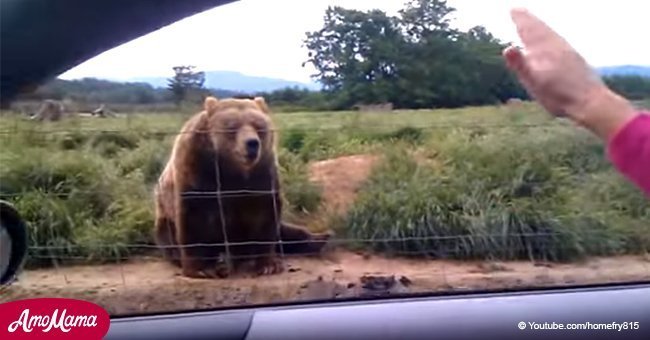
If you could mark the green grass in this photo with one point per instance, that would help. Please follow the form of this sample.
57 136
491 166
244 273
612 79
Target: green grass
489 182
548 195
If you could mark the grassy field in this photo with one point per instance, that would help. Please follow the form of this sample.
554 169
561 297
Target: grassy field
488 182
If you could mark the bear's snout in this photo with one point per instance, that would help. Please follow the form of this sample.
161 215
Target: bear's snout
252 148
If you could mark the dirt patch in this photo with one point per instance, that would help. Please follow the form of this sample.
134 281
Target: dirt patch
341 179
150 285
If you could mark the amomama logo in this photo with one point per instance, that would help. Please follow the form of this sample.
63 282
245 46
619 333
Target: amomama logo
52 318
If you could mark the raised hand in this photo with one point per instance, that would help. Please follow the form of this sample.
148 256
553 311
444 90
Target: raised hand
560 79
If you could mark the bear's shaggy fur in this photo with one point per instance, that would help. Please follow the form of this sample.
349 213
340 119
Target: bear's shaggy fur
222 176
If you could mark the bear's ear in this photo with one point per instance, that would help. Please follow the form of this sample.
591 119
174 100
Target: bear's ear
210 105
261 103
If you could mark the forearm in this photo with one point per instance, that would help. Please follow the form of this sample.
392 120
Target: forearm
604 112
625 131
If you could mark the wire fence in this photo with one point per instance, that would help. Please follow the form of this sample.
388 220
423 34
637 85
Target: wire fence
221 219
372 127
329 240
424 254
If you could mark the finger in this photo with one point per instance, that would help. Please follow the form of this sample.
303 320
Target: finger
514 58
533 30
516 61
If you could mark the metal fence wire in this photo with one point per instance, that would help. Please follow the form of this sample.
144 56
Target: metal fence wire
440 245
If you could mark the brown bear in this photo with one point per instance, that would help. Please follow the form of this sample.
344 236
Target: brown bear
221 186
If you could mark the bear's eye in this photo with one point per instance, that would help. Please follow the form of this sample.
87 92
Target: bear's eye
230 126
261 129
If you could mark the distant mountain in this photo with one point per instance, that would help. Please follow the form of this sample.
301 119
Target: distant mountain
625 70
235 81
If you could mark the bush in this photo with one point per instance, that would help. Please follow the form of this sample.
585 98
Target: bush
498 200
50 221
408 134
300 195
325 144
294 140
64 231
73 141
109 143
60 173
77 206
149 158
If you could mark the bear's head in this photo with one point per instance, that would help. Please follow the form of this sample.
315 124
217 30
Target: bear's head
241 130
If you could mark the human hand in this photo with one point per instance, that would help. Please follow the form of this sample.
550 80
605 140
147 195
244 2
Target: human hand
559 78
548 67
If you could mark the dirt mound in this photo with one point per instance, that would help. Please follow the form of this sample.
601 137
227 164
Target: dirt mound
340 179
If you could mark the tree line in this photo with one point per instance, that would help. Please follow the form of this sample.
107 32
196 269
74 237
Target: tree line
92 90
630 86
415 59
95 91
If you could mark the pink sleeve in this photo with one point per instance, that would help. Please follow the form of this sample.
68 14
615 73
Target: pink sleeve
629 150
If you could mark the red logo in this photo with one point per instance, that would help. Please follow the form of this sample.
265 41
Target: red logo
53 318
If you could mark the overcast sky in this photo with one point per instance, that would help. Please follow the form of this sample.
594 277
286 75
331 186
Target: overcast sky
264 38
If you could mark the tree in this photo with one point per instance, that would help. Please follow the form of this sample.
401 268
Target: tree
413 60
633 87
421 19
355 54
186 82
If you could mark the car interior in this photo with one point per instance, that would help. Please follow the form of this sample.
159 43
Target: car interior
43 38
